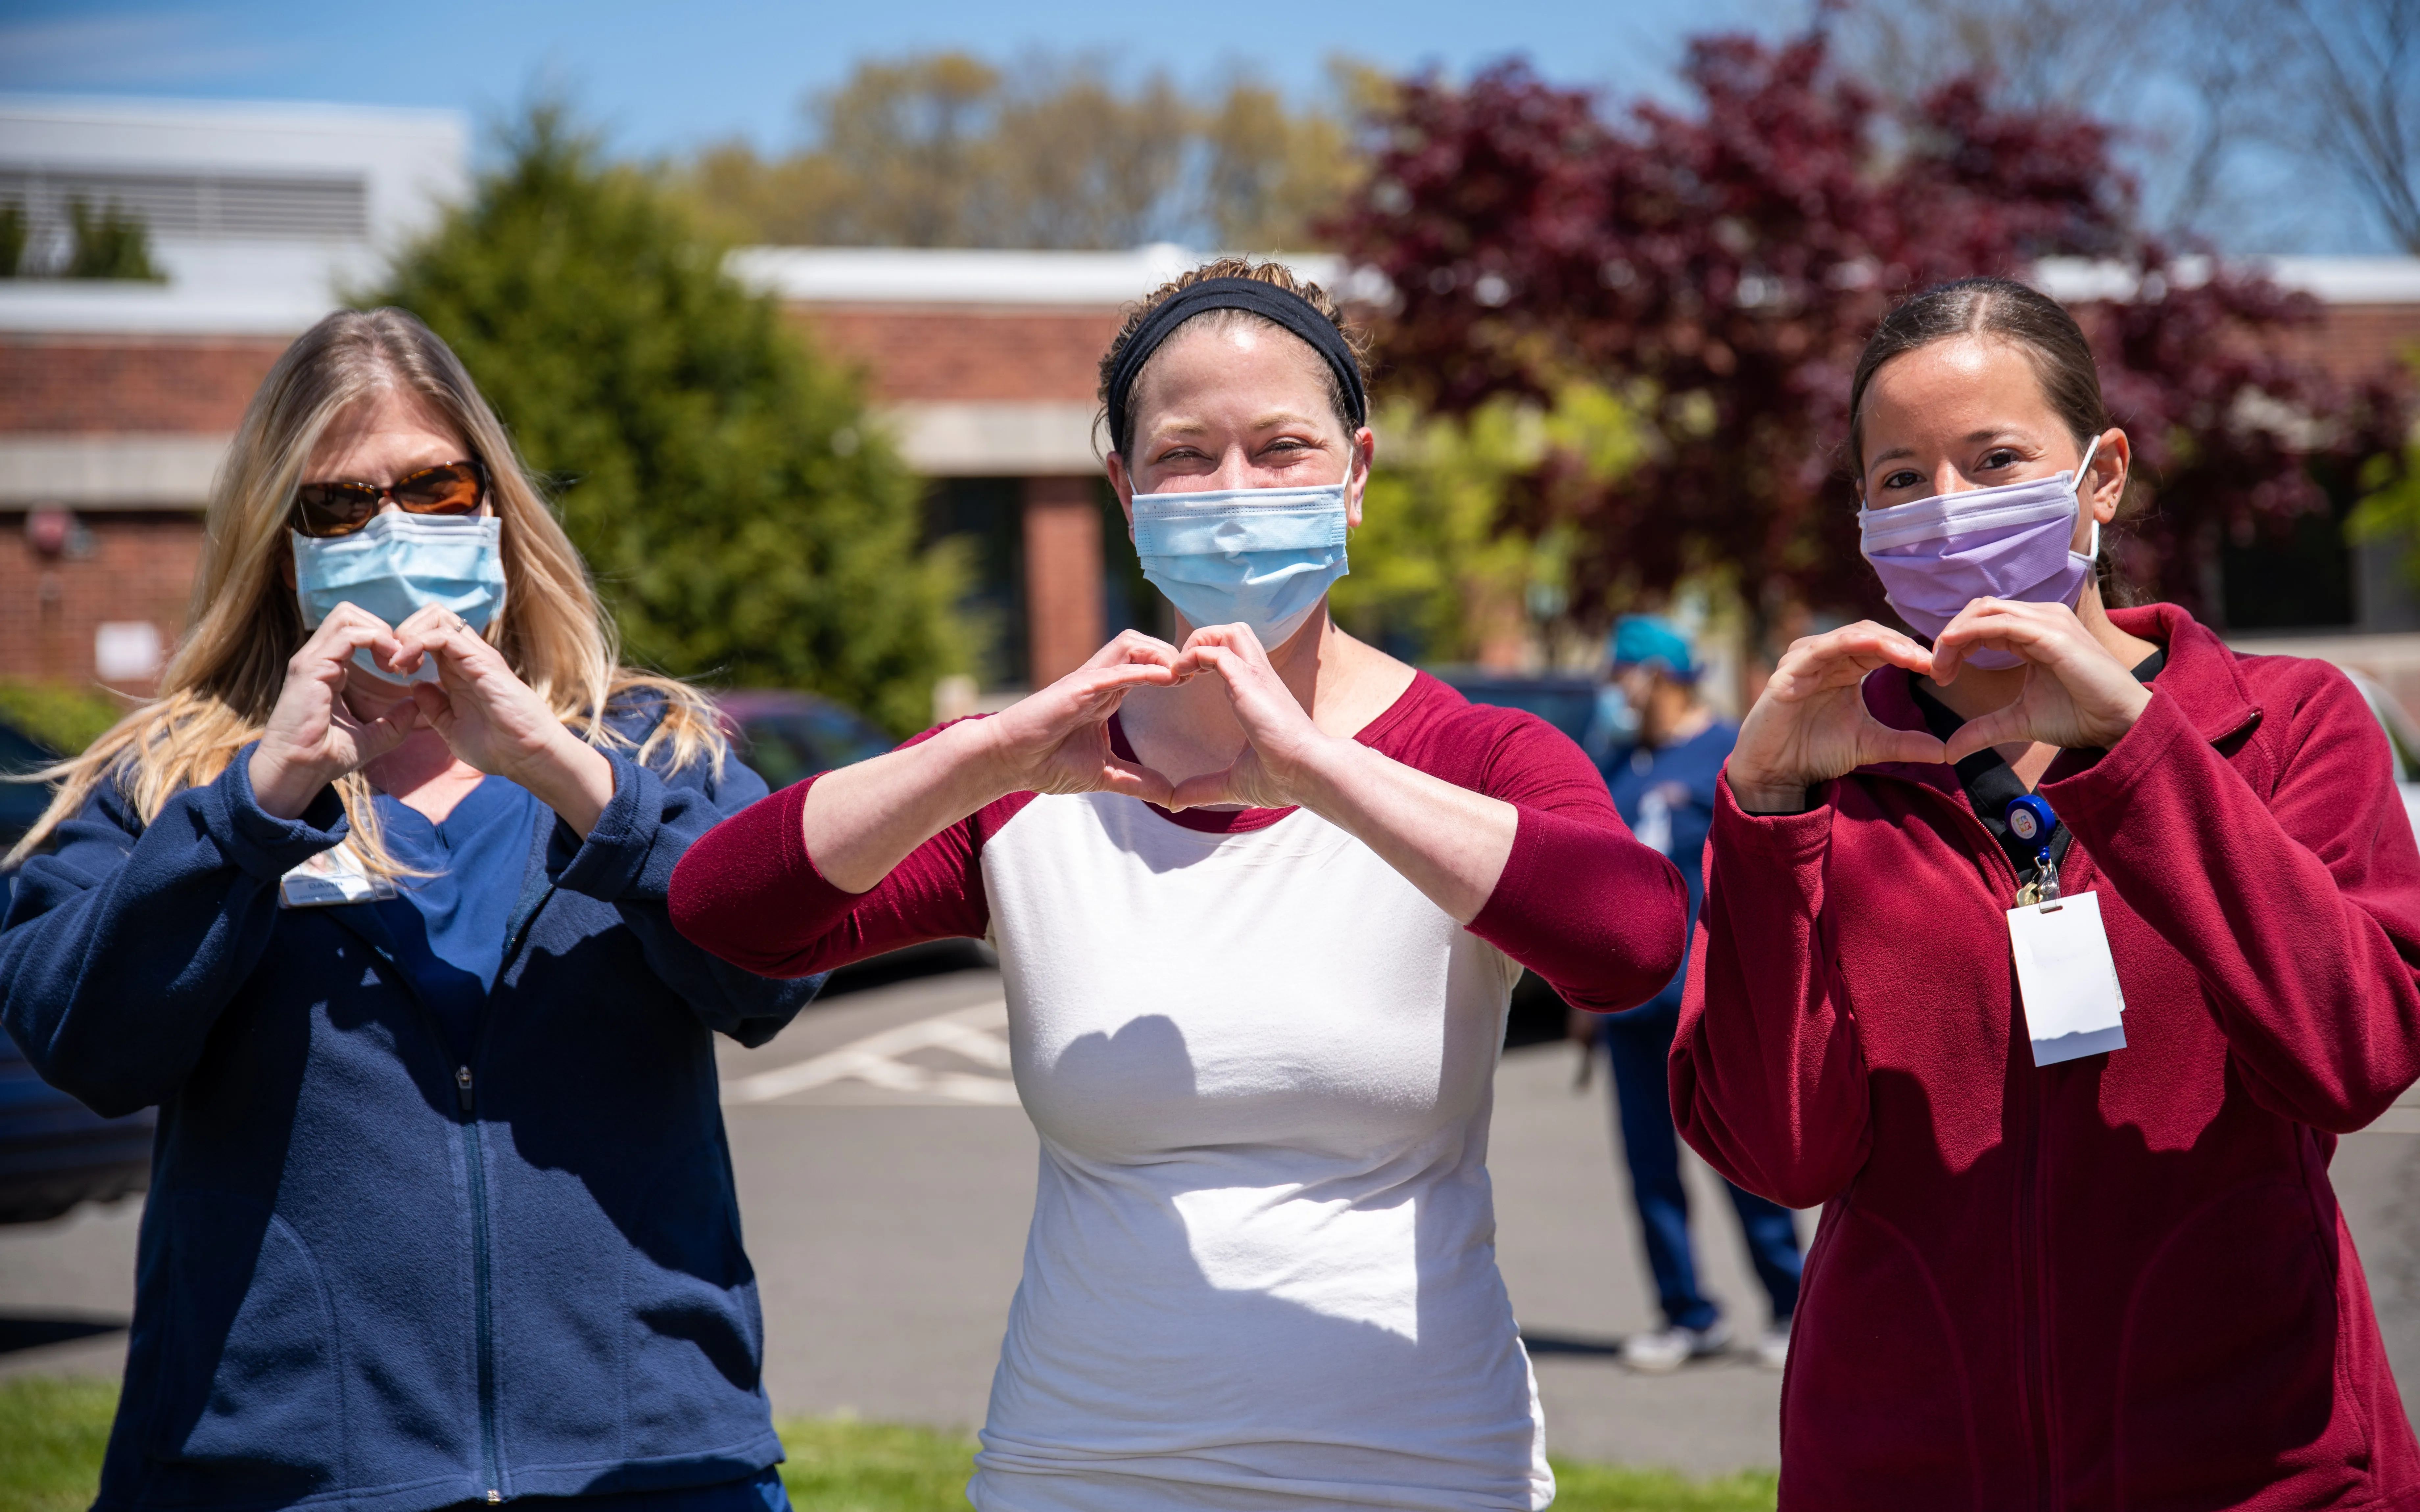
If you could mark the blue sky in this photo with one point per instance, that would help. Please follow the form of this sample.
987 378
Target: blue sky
662 78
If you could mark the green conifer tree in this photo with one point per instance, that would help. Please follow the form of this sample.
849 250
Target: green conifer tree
746 522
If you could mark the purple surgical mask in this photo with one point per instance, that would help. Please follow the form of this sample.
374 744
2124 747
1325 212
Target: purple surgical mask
1938 555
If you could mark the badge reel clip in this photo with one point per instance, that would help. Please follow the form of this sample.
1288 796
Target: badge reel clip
2030 819
2066 980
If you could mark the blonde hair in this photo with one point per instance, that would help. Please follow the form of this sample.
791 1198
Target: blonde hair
217 691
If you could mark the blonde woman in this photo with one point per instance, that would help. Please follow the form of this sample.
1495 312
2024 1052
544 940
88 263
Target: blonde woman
370 901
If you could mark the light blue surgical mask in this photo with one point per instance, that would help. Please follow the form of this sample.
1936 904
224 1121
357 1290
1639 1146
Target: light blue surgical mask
1261 557
400 562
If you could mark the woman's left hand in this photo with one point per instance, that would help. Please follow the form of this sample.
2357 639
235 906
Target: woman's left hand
2075 695
492 721
1280 743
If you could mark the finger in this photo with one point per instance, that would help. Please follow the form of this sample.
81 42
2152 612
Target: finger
1853 649
2002 726
1238 638
1132 646
1207 788
433 705
2022 629
1108 682
390 728
1881 743
1133 779
324 656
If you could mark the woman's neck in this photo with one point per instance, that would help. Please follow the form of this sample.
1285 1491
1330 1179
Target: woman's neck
1341 683
423 774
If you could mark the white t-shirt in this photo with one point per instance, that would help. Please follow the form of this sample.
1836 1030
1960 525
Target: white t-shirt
1261 1270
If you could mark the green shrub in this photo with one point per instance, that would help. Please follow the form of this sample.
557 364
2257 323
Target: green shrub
745 517
63 716
110 243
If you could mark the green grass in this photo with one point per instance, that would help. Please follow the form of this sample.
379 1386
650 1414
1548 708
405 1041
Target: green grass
52 1433
1585 1488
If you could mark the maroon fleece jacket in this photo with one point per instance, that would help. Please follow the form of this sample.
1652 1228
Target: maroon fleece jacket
2122 1282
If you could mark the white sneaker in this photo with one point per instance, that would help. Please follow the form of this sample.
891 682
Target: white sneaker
1656 1353
1773 1349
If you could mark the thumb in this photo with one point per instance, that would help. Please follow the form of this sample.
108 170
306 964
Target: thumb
1881 743
435 707
1982 733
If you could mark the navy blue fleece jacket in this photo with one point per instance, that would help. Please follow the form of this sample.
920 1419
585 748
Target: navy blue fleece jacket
373 1274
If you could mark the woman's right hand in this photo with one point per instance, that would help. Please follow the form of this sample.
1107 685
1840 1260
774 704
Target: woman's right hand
1811 725
1058 740
312 738
862 820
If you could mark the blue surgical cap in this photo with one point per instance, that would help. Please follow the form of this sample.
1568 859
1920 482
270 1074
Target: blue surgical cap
1644 640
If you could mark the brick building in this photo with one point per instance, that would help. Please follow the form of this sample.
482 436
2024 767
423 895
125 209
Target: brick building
115 400
984 366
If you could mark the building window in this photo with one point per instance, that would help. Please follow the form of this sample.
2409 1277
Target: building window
987 516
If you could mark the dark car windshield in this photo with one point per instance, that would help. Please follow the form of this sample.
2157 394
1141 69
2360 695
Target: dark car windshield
794 745
1568 703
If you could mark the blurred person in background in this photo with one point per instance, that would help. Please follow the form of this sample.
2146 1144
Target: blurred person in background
371 902
1260 903
1664 786
2053 959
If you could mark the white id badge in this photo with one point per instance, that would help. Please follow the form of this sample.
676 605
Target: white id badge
2066 978
331 877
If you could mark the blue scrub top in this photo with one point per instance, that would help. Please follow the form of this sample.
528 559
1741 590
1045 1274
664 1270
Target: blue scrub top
1665 794
449 924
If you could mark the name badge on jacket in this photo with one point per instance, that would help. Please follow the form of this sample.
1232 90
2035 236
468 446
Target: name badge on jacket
331 877
2066 978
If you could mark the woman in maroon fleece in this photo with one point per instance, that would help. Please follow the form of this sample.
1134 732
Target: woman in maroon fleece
2113 1281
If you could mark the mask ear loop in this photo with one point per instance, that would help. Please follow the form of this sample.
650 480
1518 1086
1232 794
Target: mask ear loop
2084 471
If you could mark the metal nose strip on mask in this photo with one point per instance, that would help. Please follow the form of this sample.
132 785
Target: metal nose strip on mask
1955 514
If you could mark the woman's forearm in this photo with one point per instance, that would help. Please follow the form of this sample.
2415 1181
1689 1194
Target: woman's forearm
862 821
1447 841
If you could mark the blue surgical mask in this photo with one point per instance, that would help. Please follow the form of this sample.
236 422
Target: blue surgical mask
1261 557
400 562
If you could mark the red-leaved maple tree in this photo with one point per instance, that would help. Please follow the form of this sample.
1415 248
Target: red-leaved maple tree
1721 268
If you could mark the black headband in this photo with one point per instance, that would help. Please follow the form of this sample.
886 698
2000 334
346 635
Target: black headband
1288 309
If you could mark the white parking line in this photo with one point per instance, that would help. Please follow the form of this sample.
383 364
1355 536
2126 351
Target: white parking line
978 1033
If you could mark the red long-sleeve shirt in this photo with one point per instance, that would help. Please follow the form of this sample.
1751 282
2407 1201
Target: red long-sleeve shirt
2120 1281
1581 902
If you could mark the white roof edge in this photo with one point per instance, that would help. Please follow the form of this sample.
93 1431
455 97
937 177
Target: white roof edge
279 114
927 275
2332 279
42 307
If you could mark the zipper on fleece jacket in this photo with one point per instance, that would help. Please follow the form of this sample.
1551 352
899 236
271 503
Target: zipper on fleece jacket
475 1167
482 1319
2032 1259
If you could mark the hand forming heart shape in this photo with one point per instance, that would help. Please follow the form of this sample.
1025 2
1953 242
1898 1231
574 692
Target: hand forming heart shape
1278 730
1058 739
1811 724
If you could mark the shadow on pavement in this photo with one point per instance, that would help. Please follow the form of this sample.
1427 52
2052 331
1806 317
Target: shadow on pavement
20 1331
1571 1344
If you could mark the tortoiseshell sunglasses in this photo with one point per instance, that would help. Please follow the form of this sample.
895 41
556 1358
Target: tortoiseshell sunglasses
326 509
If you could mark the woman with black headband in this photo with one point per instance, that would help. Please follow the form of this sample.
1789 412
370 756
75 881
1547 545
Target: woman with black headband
1260 900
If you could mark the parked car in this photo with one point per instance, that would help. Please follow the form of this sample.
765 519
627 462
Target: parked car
2402 739
54 1152
789 737
1589 710
1585 709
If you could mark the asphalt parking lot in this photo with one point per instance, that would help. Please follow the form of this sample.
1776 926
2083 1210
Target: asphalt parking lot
886 1176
